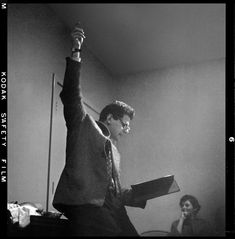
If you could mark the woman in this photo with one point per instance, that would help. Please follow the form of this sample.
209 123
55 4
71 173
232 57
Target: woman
189 224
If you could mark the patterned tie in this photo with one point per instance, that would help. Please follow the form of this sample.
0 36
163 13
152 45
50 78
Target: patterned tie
113 166
109 165
116 168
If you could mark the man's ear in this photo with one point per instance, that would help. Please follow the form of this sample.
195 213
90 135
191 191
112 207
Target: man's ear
109 118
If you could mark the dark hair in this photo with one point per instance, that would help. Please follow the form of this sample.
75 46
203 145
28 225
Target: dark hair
193 200
118 109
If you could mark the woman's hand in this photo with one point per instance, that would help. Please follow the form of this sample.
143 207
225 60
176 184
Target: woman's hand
183 215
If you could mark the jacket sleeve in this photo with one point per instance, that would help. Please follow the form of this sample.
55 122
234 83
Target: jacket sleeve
129 200
174 231
71 95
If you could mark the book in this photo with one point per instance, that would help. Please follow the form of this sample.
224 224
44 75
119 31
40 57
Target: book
155 188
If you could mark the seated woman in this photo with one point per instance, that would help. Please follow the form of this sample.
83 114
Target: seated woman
189 224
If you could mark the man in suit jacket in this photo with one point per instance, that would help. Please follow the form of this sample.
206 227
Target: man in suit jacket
89 191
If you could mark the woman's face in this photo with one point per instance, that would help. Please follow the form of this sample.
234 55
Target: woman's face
187 208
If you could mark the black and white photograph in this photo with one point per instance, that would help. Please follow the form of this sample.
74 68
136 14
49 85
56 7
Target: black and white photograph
115 119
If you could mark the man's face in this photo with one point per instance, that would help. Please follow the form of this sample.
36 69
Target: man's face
118 127
187 208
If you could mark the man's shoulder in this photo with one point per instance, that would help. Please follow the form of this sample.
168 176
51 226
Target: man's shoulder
91 127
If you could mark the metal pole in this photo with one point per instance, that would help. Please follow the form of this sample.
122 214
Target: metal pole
50 138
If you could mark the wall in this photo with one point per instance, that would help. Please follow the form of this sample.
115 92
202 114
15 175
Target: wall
38 43
179 129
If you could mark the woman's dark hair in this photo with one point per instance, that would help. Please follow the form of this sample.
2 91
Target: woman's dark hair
193 200
118 109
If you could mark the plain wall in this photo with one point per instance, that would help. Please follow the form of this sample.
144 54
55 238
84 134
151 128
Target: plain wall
179 129
38 43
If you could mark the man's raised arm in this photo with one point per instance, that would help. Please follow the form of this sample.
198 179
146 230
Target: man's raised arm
71 95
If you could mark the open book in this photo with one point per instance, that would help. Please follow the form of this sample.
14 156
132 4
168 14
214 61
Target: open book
155 188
